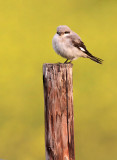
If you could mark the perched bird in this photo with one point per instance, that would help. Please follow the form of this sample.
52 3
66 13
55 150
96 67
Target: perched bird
69 45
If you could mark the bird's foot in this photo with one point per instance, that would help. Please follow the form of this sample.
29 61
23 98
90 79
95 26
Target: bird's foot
69 61
66 61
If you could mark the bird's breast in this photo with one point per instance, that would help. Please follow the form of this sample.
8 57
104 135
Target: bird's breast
63 47
58 44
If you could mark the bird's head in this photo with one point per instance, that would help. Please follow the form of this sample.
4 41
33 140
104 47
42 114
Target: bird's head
63 30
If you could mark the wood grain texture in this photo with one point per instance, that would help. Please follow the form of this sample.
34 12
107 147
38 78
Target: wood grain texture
59 119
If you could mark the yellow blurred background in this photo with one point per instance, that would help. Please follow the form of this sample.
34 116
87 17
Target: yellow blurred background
26 31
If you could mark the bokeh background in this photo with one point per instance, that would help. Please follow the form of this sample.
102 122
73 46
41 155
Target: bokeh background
26 31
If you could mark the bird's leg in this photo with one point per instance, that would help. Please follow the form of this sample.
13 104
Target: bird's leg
69 61
66 61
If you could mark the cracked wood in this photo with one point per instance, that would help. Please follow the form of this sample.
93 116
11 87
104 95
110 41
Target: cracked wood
59 119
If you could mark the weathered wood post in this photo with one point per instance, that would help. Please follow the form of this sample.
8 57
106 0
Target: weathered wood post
59 119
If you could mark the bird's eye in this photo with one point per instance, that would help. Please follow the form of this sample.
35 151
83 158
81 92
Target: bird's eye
67 32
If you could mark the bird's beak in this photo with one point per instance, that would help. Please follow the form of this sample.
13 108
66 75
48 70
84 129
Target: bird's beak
59 33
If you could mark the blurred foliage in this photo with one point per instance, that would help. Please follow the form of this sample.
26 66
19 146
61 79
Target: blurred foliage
26 31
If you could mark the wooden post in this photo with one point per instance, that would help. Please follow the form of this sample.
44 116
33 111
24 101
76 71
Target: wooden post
59 119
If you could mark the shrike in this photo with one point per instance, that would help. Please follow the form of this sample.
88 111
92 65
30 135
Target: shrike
69 45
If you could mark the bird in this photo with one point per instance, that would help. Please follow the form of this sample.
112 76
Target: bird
69 45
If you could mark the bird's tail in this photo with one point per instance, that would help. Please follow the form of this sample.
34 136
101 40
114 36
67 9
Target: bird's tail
98 60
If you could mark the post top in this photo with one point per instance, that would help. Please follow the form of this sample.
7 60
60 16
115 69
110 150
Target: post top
62 65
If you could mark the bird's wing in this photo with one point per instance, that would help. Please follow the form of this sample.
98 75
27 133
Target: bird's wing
77 42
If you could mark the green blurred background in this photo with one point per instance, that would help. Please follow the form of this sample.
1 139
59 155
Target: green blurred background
26 31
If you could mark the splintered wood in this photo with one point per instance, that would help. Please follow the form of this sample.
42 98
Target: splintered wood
59 119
